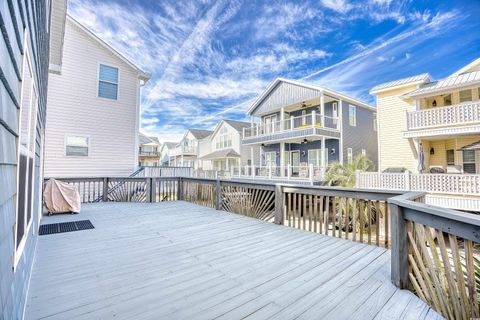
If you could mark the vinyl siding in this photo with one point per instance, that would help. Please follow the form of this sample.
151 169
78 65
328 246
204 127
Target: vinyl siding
394 150
75 109
18 17
361 136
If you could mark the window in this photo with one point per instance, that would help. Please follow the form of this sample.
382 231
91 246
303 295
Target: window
352 115
271 158
374 121
465 95
224 140
450 157
447 100
108 82
469 161
304 117
76 146
314 157
26 156
334 110
349 155
270 123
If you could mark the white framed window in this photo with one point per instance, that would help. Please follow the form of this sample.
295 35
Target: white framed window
314 157
271 158
335 110
469 165
224 139
447 100
26 157
108 82
77 146
352 115
466 95
349 155
375 121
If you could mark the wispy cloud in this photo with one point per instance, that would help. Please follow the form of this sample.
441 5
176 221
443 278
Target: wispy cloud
210 59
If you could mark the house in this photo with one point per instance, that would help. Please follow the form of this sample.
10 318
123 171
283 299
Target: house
432 130
31 30
93 109
302 128
185 153
148 151
223 149
165 151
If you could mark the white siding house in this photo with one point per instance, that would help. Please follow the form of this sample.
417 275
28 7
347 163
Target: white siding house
93 109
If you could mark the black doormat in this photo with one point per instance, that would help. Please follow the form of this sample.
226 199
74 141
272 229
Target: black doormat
53 228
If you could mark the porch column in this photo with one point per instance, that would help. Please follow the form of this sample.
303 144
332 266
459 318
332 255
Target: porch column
322 108
282 159
322 159
182 160
282 119
340 141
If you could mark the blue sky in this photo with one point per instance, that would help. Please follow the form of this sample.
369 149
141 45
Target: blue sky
210 59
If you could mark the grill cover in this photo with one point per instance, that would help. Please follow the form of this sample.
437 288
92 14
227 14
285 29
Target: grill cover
61 197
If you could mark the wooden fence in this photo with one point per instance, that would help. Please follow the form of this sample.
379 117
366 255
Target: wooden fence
435 251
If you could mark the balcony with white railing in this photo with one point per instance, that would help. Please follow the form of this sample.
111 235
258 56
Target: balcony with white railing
461 118
184 150
309 174
293 128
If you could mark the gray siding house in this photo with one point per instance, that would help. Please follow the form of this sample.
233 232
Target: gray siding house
30 31
302 128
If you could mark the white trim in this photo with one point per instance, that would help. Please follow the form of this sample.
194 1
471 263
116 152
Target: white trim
340 123
79 136
141 74
407 84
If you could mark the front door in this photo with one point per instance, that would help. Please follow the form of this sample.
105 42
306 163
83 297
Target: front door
295 161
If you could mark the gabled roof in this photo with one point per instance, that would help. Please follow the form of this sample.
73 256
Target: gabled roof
468 68
471 146
418 79
327 91
447 84
199 133
238 125
143 139
219 154
142 75
170 145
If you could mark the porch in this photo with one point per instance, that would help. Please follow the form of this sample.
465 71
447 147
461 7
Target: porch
179 260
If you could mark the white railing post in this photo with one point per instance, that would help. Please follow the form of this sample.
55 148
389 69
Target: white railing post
407 180
244 133
270 171
289 171
291 122
253 171
314 120
256 128
358 183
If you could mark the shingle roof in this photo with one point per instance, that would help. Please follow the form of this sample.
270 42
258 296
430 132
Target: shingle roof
200 134
143 139
238 125
472 146
446 84
225 153
419 78
170 145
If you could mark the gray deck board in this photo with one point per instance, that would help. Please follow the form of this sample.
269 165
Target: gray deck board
176 260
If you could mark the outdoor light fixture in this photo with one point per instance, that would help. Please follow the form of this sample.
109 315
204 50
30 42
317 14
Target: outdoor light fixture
303 153
305 140
263 144
434 103
432 151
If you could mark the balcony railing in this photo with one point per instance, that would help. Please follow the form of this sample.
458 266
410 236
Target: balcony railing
308 173
149 153
459 114
312 120
186 150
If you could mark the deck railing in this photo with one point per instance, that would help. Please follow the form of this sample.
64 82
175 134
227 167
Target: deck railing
459 114
309 173
459 184
435 251
292 123
192 150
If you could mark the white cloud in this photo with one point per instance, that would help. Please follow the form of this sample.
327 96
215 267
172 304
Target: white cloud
341 6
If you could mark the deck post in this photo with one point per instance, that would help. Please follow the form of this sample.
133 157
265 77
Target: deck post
151 190
218 196
105 190
180 188
278 204
399 258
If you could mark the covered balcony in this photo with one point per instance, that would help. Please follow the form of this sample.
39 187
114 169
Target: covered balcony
185 248
184 150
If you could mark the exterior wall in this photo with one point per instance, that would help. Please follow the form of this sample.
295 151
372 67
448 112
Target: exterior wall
204 148
330 144
18 18
361 136
394 150
74 109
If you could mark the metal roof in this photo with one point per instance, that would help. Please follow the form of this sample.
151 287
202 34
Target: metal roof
463 80
472 146
419 78
225 153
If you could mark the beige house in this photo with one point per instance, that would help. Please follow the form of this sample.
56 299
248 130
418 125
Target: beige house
148 151
431 129
93 109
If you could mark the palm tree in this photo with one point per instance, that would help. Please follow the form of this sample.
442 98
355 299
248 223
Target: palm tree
343 175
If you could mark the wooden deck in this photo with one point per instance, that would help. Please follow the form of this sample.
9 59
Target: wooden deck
176 260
